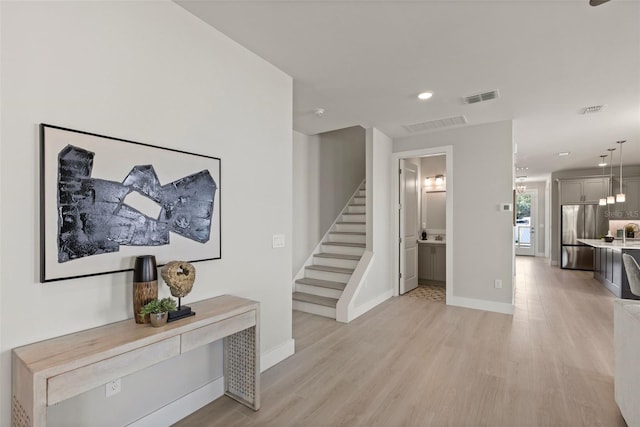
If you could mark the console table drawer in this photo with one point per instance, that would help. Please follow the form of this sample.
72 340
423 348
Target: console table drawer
218 330
79 380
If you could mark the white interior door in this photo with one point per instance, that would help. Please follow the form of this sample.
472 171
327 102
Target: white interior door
526 220
409 195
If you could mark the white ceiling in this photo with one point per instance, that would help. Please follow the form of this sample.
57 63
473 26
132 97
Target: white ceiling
364 62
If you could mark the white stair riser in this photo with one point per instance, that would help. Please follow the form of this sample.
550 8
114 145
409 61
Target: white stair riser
327 275
358 200
347 238
359 228
319 310
335 262
353 218
317 290
356 209
362 193
345 250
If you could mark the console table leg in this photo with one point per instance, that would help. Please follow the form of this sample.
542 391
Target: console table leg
242 368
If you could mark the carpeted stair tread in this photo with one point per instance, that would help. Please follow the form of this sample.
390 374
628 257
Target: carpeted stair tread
338 256
330 269
315 299
352 245
322 283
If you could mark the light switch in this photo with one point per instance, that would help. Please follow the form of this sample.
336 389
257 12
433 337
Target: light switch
278 241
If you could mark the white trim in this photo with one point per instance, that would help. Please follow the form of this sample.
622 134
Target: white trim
189 403
278 354
182 407
480 304
395 213
345 310
540 254
362 309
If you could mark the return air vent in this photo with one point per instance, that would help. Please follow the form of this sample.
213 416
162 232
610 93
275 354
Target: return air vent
436 124
592 109
481 97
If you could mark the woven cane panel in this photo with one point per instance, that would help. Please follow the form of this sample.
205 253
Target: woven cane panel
241 363
19 417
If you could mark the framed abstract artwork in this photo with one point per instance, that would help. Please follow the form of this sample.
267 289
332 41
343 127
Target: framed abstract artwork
104 201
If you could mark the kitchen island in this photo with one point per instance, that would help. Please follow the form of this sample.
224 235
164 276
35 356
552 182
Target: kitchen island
608 268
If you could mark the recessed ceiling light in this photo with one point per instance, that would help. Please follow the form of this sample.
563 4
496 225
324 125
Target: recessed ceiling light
425 95
563 153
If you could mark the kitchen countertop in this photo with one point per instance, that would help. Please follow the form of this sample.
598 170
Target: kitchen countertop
616 244
435 242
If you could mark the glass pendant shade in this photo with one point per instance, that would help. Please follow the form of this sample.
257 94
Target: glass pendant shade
603 202
620 197
611 200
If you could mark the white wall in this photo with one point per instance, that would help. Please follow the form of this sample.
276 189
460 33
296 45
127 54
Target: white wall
378 285
148 72
483 178
327 169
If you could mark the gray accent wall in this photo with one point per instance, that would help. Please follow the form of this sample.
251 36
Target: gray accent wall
327 169
482 180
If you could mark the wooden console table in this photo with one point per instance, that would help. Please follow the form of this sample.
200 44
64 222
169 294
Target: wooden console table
51 371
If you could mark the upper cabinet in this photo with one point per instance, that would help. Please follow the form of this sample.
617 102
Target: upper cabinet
630 209
584 190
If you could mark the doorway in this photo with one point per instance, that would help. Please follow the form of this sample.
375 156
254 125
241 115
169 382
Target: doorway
526 220
400 219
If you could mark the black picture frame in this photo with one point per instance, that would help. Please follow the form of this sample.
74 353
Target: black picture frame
106 200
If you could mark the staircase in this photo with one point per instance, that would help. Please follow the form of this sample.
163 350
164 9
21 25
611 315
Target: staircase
334 261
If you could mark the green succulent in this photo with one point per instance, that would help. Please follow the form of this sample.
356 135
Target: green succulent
159 306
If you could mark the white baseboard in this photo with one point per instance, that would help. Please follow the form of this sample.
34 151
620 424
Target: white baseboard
277 355
182 407
554 263
188 404
362 309
541 254
480 304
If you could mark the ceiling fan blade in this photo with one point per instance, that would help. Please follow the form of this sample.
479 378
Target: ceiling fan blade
597 2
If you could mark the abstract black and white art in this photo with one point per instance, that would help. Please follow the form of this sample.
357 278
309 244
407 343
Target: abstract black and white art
106 200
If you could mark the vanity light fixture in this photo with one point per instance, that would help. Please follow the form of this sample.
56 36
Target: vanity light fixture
610 199
439 179
427 182
603 199
620 197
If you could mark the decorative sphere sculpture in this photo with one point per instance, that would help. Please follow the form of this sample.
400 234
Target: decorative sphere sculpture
179 276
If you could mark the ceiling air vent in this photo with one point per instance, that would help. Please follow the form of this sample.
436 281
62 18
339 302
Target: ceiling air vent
592 109
481 97
436 124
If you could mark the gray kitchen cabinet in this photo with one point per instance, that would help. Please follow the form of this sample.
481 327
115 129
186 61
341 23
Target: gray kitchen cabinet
630 209
583 190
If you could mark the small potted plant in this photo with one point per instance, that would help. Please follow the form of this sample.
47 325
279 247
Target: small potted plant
630 231
158 310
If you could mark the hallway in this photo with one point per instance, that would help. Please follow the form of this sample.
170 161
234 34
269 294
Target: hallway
413 362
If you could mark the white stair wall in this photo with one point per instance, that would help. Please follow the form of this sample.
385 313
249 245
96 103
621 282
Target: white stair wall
320 283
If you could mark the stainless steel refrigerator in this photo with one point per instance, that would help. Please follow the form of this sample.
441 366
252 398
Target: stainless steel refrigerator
581 222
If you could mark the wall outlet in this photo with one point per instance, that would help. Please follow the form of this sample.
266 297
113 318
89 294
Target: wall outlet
113 387
278 241
498 284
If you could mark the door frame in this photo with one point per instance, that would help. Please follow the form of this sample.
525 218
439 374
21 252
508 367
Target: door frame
447 151
532 223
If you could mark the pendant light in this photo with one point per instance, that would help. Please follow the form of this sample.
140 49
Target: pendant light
620 197
610 199
603 199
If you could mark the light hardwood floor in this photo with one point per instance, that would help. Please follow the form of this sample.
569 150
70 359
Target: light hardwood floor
413 362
